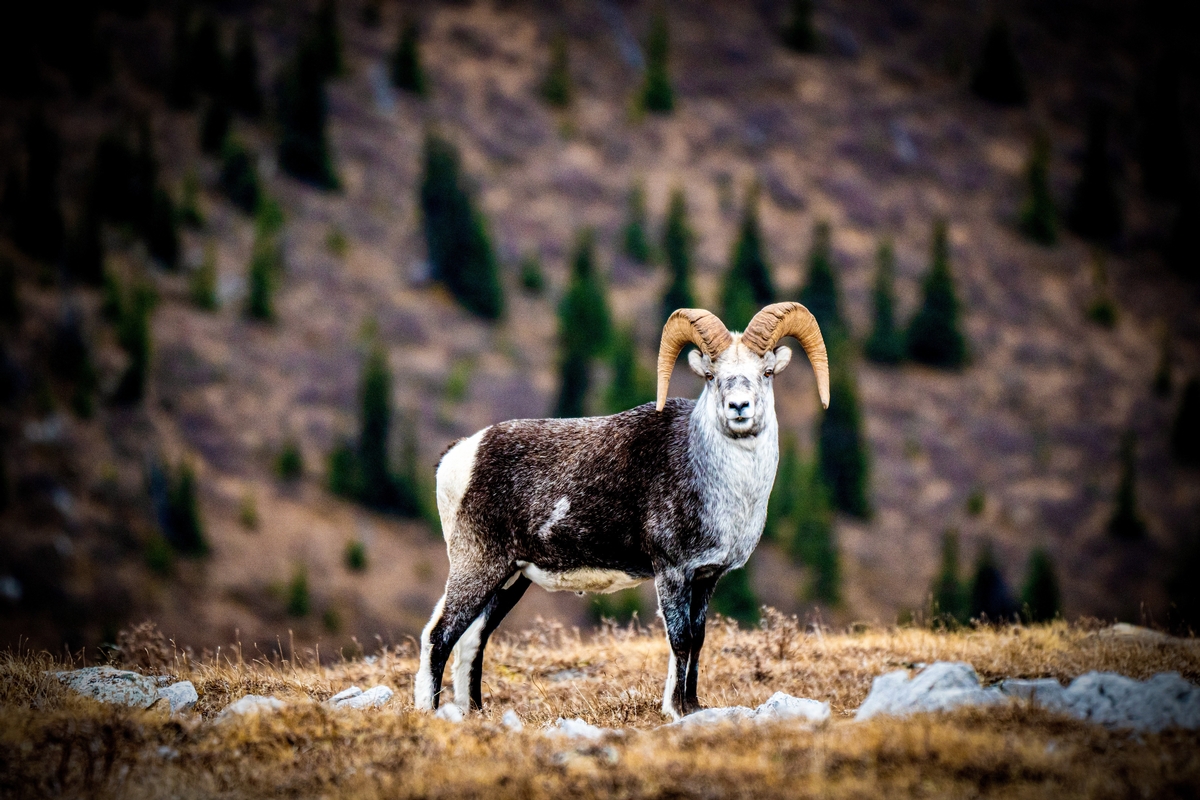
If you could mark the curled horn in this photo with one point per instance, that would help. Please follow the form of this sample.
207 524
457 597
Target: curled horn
694 325
790 319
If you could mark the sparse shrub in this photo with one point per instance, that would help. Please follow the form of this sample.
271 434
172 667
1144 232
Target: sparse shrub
355 556
289 464
677 248
202 288
185 528
934 334
1185 431
189 203
635 242
248 512
976 501
407 73
619 606
990 598
1126 521
1102 308
1096 210
456 237
799 34
260 280
886 343
734 597
949 603
533 279
821 294
133 334
303 115
657 95
556 86
327 38
814 538
747 286
584 327
298 601
244 92
841 450
336 242
331 620
159 558
345 479
631 384
1040 598
1038 217
999 77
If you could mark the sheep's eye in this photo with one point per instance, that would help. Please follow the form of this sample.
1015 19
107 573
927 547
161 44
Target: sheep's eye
769 373
708 376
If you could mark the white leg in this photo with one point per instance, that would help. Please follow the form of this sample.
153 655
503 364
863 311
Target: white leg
464 659
423 682
668 705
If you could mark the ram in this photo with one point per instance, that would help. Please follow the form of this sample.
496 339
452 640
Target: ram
675 492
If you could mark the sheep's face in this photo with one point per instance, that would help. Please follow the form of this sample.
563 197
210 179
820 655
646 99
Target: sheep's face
738 389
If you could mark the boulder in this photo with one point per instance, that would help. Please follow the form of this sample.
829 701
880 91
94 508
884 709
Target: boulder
371 698
110 685
450 712
577 729
1045 692
182 696
941 686
1115 701
344 694
250 704
780 706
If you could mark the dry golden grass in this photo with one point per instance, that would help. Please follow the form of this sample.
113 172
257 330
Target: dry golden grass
53 743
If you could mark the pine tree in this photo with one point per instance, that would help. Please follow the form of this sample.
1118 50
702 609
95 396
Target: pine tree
747 286
189 205
1185 431
949 603
677 247
303 113
814 538
133 334
203 285
999 77
1038 217
635 241
185 525
632 385
260 280
1096 209
380 487
239 176
574 377
886 343
990 598
556 85
299 602
456 237
38 226
734 597
407 73
1102 308
934 336
1162 133
781 505
821 294
657 95
327 39
1040 598
244 92
841 450
1126 522
533 279
584 327
799 34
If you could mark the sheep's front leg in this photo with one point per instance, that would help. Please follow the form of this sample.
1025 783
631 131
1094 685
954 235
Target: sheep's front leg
674 605
702 590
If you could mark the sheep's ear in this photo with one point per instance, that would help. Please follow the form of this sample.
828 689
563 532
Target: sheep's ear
783 357
696 363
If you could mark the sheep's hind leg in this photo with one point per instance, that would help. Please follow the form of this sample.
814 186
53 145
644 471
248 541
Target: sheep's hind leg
468 653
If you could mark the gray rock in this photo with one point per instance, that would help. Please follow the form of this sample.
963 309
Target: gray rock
942 686
714 716
450 713
511 721
1045 692
371 698
344 694
182 696
784 706
110 685
250 704
1115 701
577 729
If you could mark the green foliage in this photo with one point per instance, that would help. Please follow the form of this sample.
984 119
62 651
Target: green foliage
289 464
1096 210
133 334
456 237
185 528
336 242
949 607
331 620
243 90
814 538
618 606
189 205
584 328
634 239
327 39
821 294
1185 430
355 556
841 450
747 286
162 230
1038 217
735 598
37 227
657 95
261 278
781 505
886 343
677 248
407 73
214 125
556 85
573 383
202 288
632 384
799 34
1102 308
303 115
1126 521
248 512
159 557
999 78
298 601
459 381
990 599
1040 597
345 479
934 335
533 279
976 501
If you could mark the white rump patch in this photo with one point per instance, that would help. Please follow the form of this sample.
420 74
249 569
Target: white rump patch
464 657
453 477
556 516
600 581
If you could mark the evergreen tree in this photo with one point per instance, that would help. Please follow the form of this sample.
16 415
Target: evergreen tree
133 334
189 206
327 39
533 279
303 113
85 247
781 505
244 92
734 597
260 280
799 34
949 603
299 603
1102 308
1185 431
814 538
1126 522
841 450
677 247
556 86
239 176
886 343
1096 210
934 336
657 95
821 294
1038 217
379 486
181 88
1040 599
407 73
747 286
990 598
203 285
631 384
573 384
1162 134
162 229
999 78
38 227
636 242
185 529
584 327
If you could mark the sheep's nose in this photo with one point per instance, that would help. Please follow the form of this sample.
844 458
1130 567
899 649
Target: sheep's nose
739 409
